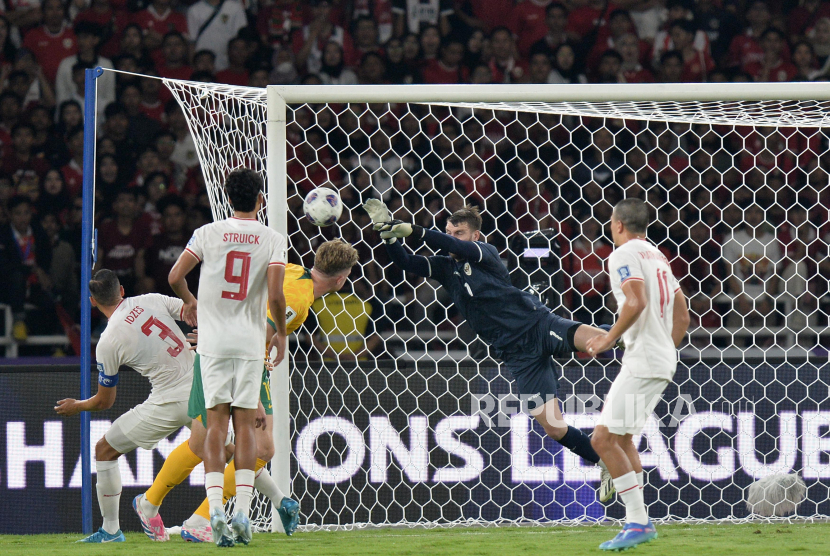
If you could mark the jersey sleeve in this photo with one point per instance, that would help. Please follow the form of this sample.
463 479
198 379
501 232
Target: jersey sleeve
108 359
279 250
440 267
624 266
196 245
489 255
173 305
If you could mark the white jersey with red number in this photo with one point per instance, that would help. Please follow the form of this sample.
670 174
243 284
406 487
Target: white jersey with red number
649 348
142 333
233 285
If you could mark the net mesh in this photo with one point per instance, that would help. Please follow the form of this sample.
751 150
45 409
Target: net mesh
739 195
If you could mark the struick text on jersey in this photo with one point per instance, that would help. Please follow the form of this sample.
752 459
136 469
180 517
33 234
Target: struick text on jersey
252 239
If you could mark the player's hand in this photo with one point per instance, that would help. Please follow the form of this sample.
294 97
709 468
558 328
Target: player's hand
378 212
189 313
277 341
395 229
67 407
259 422
193 338
600 344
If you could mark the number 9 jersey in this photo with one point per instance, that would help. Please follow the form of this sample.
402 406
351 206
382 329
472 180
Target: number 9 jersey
649 348
233 286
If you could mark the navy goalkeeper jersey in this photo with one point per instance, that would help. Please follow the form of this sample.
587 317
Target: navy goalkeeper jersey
481 290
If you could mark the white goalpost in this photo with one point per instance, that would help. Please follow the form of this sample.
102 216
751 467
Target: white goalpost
426 430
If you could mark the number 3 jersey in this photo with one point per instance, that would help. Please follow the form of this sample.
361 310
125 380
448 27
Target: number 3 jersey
649 348
142 333
233 286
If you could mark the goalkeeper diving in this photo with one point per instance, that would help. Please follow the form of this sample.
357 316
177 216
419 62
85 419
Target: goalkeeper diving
522 332
333 262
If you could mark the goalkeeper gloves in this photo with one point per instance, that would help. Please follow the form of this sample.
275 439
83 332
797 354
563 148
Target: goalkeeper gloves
397 228
378 212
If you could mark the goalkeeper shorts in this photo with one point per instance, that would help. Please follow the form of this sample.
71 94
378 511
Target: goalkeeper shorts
196 406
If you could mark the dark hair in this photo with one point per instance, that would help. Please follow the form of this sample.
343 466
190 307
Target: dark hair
612 54
685 25
468 215
555 6
18 74
88 28
202 76
22 125
500 29
205 52
243 186
9 50
10 94
171 200
105 287
113 109
633 213
619 13
18 200
666 56
769 31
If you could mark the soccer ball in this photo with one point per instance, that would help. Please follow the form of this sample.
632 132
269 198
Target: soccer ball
322 206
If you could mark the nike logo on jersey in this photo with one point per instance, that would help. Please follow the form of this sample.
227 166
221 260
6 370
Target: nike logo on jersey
555 335
241 238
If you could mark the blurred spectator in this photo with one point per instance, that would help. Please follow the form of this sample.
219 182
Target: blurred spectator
448 68
211 24
165 248
398 71
819 37
19 162
174 64
278 20
141 126
588 22
365 39
25 259
237 71
123 239
334 70
381 13
506 66
697 62
746 48
609 68
53 41
556 21
585 265
540 71
564 66
528 23
30 83
412 15
632 70
88 36
619 26
671 67
773 66
430 41
719 24
752 256
157 20
63 273
372 70
308 45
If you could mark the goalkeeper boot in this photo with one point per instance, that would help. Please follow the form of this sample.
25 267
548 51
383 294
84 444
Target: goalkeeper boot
631 535
241 527
222 534
606 484
289 511
199 532
102 536
153 527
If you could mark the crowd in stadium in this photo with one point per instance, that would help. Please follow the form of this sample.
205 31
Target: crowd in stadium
151 194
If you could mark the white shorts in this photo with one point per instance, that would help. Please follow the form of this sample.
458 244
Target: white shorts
629 402
145 425
233 381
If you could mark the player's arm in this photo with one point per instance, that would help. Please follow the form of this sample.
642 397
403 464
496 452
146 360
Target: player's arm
680 318
439 241
276 304
108 365
177 280
416 264
634 304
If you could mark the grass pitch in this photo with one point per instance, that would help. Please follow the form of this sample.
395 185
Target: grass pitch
675 540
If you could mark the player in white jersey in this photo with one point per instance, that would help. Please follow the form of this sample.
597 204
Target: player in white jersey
652 319
141 333
243 265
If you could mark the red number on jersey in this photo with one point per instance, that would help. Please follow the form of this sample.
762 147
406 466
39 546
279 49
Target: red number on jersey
241 279
663 284
164 333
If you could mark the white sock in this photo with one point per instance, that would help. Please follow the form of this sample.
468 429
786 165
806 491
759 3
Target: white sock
266 485
244 490
108 488
628 489
215 487
197 521
148 509
641 480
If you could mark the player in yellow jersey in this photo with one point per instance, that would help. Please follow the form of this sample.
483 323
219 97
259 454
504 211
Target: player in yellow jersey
333 262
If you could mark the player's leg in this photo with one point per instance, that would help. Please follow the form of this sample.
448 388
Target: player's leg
108 488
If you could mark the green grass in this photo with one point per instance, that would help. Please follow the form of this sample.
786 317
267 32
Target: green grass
675 540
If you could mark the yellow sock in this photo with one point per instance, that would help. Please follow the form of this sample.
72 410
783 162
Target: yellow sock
176 468
229 488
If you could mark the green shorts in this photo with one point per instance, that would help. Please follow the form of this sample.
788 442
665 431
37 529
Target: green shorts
196 405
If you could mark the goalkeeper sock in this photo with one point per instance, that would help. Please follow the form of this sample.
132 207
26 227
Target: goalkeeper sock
229 479
628 489
580 444
244 491
213 486
176 468
641 480
266 485
108 488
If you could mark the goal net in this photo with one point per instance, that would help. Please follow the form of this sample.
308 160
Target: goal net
425 429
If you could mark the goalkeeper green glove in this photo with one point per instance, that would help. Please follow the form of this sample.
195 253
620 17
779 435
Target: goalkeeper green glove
399 229
378 212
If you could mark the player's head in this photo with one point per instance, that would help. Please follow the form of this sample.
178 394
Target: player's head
334 260
628 220
106 289
465 224
243 187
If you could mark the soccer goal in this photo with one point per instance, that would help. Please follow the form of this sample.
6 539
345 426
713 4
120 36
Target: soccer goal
430 433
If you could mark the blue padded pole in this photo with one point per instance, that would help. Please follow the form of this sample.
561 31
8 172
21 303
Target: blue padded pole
87 260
